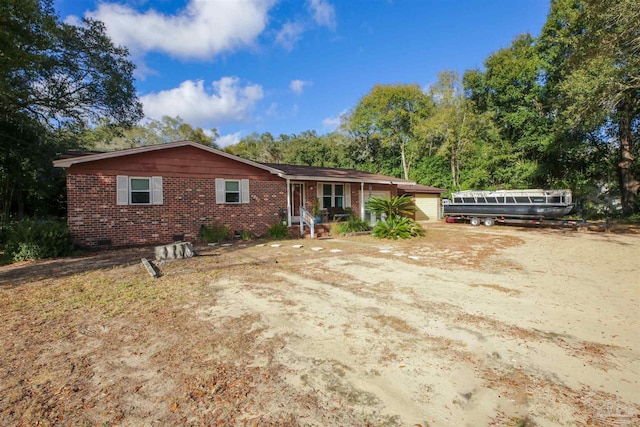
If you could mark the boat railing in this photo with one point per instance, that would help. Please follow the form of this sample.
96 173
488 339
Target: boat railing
524 197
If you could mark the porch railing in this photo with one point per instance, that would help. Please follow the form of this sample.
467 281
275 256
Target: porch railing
307 218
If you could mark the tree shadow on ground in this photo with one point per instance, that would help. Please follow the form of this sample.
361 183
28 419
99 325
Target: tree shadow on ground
20 273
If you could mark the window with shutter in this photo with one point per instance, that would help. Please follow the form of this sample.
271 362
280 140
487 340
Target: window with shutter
139 190
232 191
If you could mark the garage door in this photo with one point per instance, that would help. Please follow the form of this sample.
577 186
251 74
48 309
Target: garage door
428 207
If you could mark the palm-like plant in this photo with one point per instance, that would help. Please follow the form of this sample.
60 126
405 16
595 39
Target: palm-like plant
393 206
397 227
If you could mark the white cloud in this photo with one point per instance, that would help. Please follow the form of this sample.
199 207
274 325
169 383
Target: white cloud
297 86
226 101
272 111
202 30
323 13
290 33
230 139
332 123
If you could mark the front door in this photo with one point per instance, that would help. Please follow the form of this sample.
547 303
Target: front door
297 200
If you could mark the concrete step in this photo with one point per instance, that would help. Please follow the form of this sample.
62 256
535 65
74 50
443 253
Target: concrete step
322 230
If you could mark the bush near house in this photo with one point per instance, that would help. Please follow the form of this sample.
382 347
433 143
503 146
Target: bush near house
278 231
391 206
353 224
396 225
37 238
214 233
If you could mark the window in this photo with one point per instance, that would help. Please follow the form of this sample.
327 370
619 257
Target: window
139 190
333 196
232 191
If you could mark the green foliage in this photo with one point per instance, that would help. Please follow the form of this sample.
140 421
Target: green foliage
245 235
397 227
592 50
306 148
169 129
392 206
214 233
387 117
278 231
56 79
61 74
353 224
36 239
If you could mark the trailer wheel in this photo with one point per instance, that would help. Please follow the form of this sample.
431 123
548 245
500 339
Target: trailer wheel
488 222
475 221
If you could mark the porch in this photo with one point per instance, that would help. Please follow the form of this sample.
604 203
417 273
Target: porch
334 201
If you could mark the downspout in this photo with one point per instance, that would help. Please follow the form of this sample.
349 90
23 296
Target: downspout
362 200
288 202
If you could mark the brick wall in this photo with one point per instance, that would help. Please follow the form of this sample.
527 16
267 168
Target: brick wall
93 214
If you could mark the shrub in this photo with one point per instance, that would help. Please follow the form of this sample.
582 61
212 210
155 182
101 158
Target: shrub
35 239
245 235
393 206
397 227
278 231
214 233
353 224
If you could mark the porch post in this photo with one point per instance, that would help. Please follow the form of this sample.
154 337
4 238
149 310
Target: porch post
288 203
362 200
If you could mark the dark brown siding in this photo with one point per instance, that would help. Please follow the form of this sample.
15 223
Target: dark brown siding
180 162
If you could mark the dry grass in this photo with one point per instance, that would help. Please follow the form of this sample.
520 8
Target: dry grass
94 340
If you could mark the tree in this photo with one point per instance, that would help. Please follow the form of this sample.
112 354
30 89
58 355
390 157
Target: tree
259 148
460 146
511 89
62 74
387 117
592 49
108 137
55 80
307 148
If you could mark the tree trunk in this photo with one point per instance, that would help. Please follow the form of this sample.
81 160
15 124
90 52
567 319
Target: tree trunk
403 156
454 168
629 185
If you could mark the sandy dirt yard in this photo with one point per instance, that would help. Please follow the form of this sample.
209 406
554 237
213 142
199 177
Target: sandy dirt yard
465 327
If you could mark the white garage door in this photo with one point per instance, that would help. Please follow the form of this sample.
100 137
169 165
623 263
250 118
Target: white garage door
428 207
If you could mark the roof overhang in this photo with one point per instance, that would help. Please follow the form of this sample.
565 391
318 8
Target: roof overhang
68 162
65 163
342 179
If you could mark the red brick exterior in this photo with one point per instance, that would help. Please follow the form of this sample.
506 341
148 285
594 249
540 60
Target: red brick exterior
188 203
189 197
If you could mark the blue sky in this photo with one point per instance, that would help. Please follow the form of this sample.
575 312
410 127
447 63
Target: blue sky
287 66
